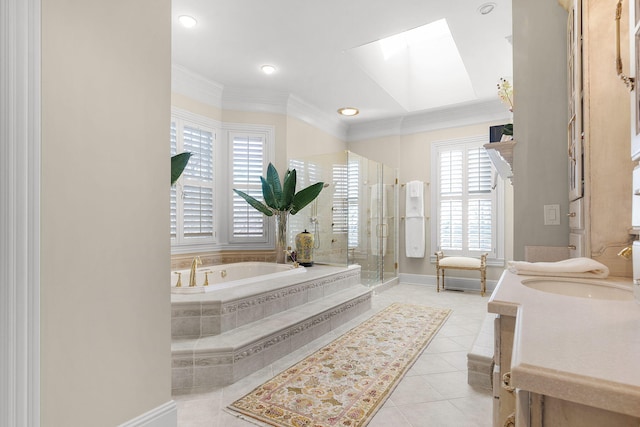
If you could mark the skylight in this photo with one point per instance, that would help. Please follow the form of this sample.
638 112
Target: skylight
433 72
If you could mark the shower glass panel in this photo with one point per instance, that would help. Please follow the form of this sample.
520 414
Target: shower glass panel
354 218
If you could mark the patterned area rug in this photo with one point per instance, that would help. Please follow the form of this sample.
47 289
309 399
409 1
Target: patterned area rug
347 381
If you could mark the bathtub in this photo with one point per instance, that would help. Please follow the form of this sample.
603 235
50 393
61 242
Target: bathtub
230 275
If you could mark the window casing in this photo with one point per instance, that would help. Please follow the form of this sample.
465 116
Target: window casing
466 202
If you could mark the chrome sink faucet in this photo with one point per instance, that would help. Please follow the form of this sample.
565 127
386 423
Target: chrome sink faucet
192 275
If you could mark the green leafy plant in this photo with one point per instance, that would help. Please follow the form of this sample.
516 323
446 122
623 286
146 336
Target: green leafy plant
281 196
178 163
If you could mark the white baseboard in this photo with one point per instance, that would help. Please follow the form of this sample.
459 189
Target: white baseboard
453 283
165 415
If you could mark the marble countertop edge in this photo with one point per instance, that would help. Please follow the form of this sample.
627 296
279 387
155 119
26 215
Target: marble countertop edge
584 390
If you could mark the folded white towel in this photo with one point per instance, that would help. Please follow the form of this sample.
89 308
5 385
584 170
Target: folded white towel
414 196
414 237
572 267
415 188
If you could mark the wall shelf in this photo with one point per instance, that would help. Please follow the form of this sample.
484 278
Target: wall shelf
501 155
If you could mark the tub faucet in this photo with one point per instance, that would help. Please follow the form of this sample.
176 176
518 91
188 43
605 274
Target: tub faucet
626 253
192 275
290 254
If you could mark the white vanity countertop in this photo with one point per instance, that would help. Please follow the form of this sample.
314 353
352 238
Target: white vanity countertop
577 349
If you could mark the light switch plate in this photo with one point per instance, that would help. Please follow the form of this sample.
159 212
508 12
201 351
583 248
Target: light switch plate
551 214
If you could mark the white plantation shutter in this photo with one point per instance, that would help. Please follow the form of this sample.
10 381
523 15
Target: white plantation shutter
353 197
192 197
479 222
340 202
200 144
451 225
174 207
479 172
248 166
451 173
479 210
198 211
466 204
345 204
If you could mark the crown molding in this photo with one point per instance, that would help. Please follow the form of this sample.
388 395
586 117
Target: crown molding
195 86
254 100
212 93
308 113
457 116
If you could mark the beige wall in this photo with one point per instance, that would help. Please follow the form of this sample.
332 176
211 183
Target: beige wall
304 140
411 155
540 123
188 104
105 313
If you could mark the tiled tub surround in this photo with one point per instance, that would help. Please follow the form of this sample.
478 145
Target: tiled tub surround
571 349
220 337
219 311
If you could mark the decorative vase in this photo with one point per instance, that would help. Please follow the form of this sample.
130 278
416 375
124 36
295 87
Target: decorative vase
304 248
281 236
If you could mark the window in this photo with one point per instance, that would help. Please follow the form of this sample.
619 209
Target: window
248 155
205 213
192 198
466 205
345 210
340 202
250 148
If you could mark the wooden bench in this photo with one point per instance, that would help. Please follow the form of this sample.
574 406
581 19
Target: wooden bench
462 263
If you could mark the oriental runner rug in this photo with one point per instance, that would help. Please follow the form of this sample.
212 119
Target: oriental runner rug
346 382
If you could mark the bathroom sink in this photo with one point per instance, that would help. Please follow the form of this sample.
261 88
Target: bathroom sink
581 289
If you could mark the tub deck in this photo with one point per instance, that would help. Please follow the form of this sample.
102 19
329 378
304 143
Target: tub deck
221 336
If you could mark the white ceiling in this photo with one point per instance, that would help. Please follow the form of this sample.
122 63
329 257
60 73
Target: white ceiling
310 44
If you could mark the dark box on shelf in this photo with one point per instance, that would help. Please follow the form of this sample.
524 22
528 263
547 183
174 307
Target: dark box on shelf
495 133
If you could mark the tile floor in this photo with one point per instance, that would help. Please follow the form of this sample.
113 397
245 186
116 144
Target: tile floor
433 393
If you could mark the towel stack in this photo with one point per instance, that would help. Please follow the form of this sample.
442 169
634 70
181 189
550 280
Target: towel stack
573 267
414 233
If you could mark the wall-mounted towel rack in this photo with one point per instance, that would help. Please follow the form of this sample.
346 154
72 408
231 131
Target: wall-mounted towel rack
402 185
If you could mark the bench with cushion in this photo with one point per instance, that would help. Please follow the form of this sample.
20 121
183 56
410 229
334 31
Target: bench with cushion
462 263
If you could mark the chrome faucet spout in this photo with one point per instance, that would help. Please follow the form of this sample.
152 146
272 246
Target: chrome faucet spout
192 275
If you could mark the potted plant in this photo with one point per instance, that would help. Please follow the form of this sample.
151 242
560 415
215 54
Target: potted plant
281 199
178 163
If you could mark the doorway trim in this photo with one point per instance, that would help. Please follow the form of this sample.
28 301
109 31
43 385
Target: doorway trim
20 125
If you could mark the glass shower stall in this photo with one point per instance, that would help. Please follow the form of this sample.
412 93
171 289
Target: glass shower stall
354 220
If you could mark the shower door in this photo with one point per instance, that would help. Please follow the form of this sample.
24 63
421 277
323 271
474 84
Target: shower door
389 268
354 219
373 236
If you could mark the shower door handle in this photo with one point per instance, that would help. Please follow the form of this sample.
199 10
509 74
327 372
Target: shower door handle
382 231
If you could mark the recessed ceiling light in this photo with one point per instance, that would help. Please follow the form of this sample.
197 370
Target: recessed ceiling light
486 8
187 21
348 111
268 69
